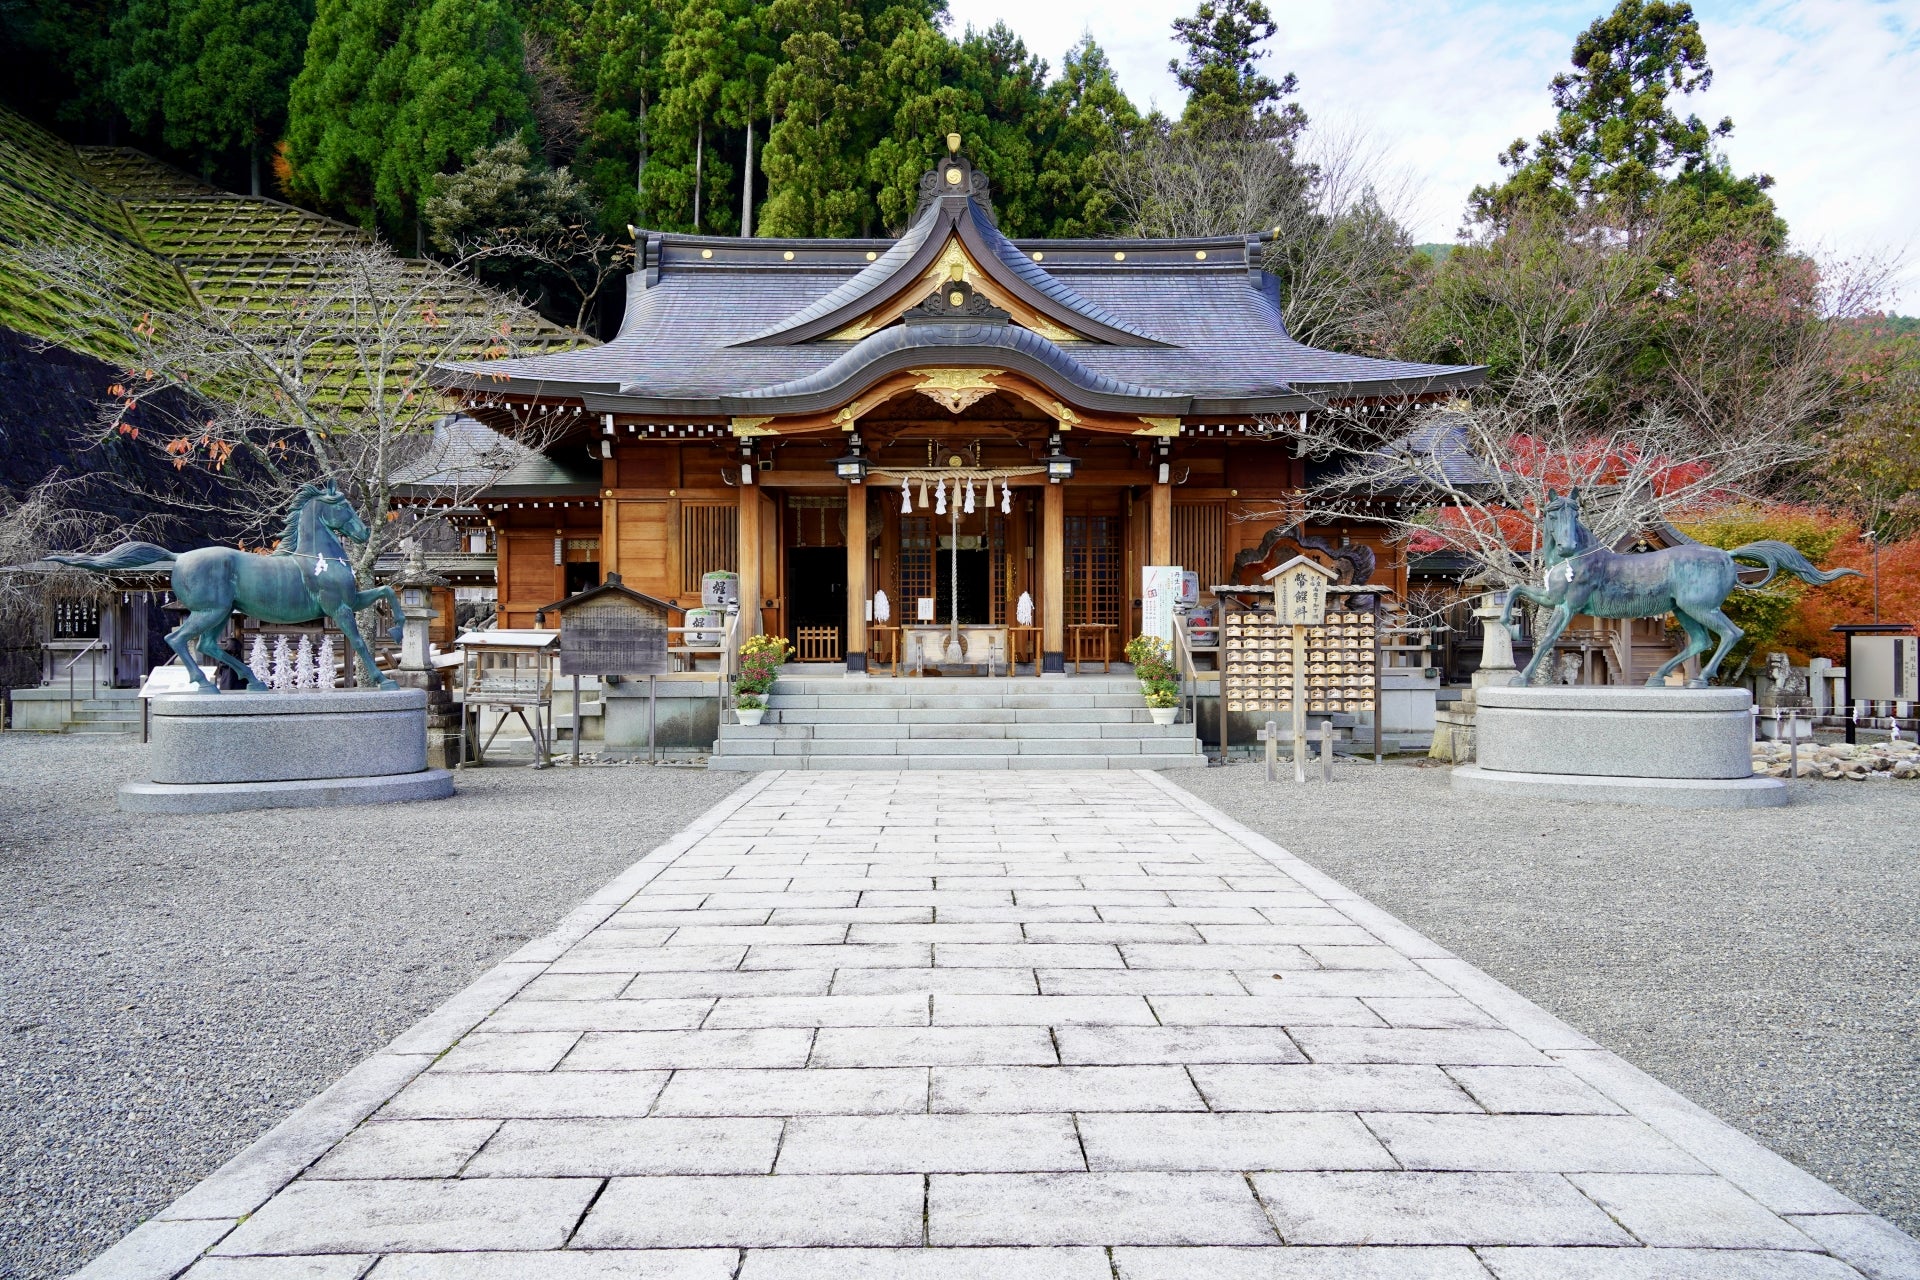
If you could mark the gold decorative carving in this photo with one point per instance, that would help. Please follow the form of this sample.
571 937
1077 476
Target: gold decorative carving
753 427
955 389
1166 427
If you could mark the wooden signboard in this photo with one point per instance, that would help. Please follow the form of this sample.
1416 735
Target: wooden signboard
610 630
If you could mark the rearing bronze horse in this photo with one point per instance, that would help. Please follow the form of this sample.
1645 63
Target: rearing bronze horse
1690 581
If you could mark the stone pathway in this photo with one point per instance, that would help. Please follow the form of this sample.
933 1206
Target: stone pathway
923 1026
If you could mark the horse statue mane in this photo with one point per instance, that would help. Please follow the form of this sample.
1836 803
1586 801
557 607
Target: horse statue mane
303 497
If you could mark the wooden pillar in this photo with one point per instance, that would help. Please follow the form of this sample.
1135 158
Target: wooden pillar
748 533
1053 579
859 560
1160 526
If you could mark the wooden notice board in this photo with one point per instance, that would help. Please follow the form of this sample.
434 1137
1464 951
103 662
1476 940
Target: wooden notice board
610 630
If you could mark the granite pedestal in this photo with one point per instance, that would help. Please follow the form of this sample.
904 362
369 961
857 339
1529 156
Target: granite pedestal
213 752
1688 748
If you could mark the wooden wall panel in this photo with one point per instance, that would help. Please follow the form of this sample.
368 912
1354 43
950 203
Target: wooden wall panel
643 539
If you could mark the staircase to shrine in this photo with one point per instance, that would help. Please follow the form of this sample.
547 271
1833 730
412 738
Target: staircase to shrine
1019 722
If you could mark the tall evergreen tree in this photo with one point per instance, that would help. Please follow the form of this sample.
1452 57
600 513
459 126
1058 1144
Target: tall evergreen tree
716 64
1226 90
341 109
396 91
831 106
1088 119
985 87
1618 144
215 74
612 52
464 87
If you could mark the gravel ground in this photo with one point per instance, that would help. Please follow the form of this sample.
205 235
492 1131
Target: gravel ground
1763 963
171 988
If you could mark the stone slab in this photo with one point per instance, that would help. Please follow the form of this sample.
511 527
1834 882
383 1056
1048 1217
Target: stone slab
1680 793
316 793
620 1099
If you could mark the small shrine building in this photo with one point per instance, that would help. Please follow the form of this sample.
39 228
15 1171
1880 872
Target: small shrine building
951 416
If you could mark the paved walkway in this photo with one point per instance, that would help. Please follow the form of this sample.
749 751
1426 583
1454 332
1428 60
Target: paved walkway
922 1026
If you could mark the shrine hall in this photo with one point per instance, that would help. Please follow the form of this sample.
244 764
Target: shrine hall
954 419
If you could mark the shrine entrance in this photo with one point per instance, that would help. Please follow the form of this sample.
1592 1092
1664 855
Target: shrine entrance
816 576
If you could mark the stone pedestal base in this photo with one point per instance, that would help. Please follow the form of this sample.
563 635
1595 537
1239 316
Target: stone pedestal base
1689 748
215 752
1675 793
223 797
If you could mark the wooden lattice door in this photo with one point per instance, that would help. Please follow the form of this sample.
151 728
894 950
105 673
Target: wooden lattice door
913 576
1095 571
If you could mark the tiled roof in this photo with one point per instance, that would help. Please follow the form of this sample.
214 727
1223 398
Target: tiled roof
465 455
718 326
1435 452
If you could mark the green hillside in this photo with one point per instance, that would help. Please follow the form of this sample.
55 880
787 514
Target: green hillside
177 241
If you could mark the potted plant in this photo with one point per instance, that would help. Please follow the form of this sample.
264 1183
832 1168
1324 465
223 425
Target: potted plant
760 659
1159 682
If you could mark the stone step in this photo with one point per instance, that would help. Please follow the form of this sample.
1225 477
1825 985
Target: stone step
959 715
935 684
785 730
780 698
103 726
940 747
968 763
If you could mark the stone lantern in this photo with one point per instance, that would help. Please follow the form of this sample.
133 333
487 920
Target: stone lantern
415 585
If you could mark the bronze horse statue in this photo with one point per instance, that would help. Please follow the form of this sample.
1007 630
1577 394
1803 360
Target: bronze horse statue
307 577
1690 581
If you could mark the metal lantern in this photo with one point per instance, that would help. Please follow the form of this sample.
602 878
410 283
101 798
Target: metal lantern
1059 465
852 468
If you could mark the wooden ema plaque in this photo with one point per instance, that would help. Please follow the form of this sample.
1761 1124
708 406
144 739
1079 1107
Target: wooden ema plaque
1257 653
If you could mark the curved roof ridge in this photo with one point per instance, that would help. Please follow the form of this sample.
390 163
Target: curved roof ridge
1038 278
898 347
870 278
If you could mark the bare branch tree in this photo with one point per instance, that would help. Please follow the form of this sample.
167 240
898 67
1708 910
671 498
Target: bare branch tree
1342 253
575 261
329 377
1657 397
1204 180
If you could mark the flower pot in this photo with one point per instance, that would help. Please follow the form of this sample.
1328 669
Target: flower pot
750 715
1164 715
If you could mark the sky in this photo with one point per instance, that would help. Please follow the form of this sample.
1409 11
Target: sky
1824 94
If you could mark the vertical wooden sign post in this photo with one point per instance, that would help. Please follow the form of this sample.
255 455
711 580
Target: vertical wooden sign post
1300 601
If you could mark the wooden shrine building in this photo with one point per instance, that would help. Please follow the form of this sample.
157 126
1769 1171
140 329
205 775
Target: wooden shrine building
951 416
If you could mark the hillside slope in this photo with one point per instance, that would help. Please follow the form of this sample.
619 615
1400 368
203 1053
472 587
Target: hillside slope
177 242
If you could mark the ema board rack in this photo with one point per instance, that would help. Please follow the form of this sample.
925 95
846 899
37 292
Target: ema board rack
1342 662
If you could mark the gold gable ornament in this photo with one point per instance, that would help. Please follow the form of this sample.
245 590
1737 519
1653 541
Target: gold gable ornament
955 390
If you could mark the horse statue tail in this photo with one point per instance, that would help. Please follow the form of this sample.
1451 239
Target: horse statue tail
128 555
1777 556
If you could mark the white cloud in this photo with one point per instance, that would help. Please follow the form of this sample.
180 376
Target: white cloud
1824 94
